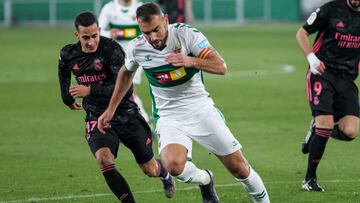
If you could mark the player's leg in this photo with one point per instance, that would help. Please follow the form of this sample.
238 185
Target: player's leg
246 176
105 148
323 129
321 94
136 135
174 148
346 129
217 138
174 157
347 111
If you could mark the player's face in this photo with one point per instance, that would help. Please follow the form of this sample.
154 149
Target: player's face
89 37
354 3
155 31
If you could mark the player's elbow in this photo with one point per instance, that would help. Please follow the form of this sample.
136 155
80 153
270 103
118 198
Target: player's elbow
222 69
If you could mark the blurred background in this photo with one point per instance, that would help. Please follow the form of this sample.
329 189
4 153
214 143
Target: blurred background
55 12
44 156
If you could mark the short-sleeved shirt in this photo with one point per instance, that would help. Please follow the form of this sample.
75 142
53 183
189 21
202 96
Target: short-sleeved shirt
97 70
337 42
113 15
177 92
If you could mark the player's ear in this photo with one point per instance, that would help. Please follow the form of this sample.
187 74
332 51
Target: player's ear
76 33
166 19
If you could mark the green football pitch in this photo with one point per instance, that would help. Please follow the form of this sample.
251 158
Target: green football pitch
44 156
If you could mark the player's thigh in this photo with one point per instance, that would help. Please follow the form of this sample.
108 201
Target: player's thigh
320 91
213 133
346 100
171 137
97 140
136 135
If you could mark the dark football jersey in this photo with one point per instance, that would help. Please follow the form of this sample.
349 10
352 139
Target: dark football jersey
97 70
337 42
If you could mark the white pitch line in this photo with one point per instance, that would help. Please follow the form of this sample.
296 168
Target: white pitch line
268 69
33 199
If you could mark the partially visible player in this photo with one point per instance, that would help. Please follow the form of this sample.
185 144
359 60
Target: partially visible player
117 20
95 62
334 66
173 58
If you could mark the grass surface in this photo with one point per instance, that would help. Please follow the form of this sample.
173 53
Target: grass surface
44 156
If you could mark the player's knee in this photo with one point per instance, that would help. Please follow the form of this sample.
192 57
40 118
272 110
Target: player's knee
175 166
104 159
150 169
350 132
240 170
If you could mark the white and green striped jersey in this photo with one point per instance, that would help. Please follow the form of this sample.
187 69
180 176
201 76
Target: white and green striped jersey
114 15
177 92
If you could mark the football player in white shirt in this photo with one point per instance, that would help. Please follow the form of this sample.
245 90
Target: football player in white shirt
117 20
173 58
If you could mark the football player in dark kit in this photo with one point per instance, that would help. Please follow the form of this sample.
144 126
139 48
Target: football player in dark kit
332 93
95 62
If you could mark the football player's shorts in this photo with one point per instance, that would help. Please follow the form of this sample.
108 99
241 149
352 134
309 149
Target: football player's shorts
207 128
332 94
132 131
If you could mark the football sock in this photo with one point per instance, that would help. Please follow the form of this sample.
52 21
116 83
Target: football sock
316 150
163 174
255 188
117 184
339 135
191 174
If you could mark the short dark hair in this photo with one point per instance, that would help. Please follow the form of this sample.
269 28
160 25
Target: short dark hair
147 10
85 19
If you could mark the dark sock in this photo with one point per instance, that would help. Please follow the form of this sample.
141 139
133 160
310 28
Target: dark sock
339 135
162 172
117 184
316 150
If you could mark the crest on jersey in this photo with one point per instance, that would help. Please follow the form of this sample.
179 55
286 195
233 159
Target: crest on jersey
177 49
98 65
312 17
148 57
75 67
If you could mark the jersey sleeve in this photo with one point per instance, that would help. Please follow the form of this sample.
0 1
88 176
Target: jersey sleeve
319 19
104 21
64 73
196 42
116 61
130 62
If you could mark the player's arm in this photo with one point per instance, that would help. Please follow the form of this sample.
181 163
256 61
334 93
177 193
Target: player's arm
206 57
104 22
64 74
122 85
317 67
211 62
316 22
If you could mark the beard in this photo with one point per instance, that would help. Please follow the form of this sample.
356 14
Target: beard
354 5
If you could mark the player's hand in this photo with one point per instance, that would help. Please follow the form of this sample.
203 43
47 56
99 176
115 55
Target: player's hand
75 106
114 33
178 59
104 121
317 67
79 91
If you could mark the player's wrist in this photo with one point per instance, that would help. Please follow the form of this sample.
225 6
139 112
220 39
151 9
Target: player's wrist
312 59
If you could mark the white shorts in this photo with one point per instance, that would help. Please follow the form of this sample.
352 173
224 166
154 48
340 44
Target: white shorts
137 76
208 128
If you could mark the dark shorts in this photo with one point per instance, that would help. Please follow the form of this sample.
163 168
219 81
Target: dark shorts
132 131
332 94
